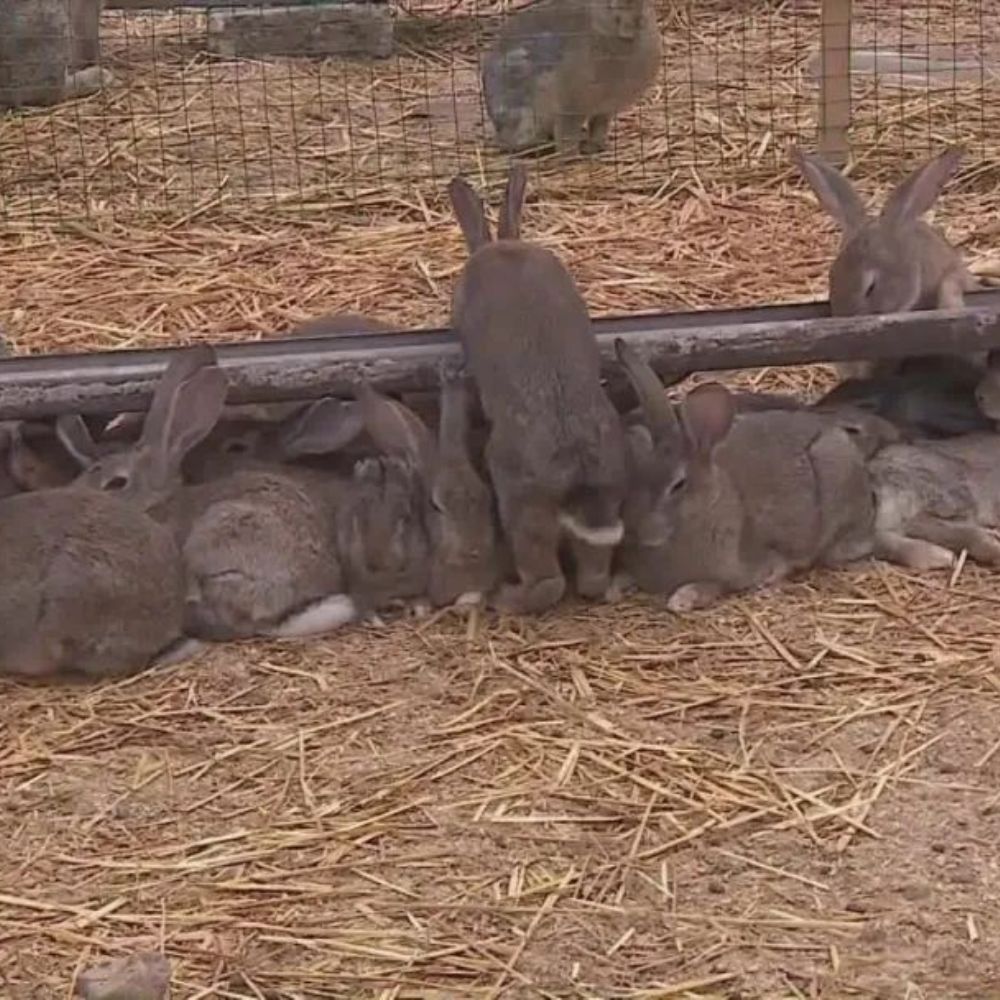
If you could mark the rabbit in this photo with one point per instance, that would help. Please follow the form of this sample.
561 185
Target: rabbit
933 396
721 503
558 66
37 55
32 458
936 498
257 545
465 554
895 262
988 388
93 585
555 450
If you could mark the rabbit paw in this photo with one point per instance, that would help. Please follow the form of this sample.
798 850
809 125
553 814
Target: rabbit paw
419 609
621 585
530 598
693 596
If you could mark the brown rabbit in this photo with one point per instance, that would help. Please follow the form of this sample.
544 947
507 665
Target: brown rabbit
93 586
556 448
720 503
560 65
894 262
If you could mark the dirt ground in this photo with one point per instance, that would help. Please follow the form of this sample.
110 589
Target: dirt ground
793 795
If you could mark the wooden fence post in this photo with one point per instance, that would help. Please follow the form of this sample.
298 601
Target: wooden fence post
835 81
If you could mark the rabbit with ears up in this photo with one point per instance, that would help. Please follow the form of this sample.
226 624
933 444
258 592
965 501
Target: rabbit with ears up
276 550
257 548
720 503
555 450
936 499
559 66
894 262
98 587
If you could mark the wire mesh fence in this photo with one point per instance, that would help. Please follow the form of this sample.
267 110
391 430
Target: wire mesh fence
198 113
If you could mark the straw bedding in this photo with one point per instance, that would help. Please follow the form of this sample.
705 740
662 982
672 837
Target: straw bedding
796 794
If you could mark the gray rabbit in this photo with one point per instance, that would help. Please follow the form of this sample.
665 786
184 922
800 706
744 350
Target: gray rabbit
555 451
94 587
893 262
721 503
558 66
936 498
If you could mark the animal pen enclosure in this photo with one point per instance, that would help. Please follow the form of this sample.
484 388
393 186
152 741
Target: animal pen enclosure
794 795
202 117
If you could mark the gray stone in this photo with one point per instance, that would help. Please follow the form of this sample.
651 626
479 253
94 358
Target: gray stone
143 976
336 29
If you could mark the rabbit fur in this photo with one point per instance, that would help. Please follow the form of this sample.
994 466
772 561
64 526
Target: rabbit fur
720 504
932 396
936 498
893 262
99 587
555 450
559 66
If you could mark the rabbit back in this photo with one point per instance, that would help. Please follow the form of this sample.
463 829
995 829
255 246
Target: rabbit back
99 588
530 346
258 546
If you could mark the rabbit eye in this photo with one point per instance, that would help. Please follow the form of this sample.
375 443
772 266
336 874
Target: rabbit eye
116 483
677 485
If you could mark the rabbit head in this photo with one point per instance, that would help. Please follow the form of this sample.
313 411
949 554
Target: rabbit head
32 458
884 262
458 507
671 452
186 405
988 389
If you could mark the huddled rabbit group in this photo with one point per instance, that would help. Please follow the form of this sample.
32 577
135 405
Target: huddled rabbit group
137 541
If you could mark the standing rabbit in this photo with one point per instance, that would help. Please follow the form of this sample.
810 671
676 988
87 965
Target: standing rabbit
555 450
91 585
894 262
45 51
936 498
720 503
561 65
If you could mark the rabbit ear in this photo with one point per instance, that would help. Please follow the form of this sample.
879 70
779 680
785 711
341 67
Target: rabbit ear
396 430
509 227
74 436
184 418
918 192
453 426
657 409
835 192
324 427
471 214
163 406
708 413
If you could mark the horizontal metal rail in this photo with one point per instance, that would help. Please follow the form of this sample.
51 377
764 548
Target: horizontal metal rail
412 361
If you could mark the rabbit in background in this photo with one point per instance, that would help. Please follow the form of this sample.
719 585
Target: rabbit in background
555 450
895 261
560 67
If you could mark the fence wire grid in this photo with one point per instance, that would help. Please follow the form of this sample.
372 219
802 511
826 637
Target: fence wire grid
185 126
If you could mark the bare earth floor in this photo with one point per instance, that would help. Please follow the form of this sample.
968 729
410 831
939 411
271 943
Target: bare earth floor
796 794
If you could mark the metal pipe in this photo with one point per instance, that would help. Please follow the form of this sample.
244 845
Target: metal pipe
411 361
